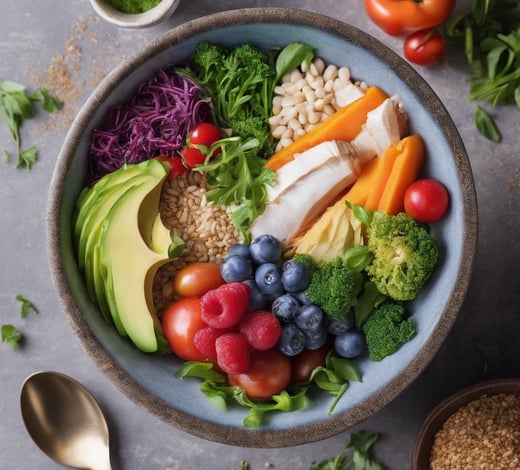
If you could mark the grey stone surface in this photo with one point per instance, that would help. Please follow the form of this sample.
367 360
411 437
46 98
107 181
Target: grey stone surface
36 33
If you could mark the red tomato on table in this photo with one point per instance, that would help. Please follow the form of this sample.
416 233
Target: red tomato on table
425 47
402 17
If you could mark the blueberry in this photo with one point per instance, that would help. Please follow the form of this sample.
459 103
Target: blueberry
315 339
236 268
295 276
337 327
268 278
350 344
285 308
240 249
292 340
265 249
309 317
257 301
302 297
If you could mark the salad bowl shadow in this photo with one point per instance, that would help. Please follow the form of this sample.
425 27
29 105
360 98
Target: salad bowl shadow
149 381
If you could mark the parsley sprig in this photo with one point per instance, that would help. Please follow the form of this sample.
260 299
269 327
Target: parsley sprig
10 334
15 106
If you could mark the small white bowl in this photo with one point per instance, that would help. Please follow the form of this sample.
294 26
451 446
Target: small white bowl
155 15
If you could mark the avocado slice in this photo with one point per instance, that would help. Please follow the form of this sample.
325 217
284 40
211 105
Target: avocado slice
120 242
92 212
128 265
91 195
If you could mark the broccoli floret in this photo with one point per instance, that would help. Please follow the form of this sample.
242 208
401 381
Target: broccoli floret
307 260
333 288
386 329
405 255
245 123
206 60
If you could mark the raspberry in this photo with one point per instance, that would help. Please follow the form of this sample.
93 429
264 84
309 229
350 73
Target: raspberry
204 340
262 329
224 306
233 351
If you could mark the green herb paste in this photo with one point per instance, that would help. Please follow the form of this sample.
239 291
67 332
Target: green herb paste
133 6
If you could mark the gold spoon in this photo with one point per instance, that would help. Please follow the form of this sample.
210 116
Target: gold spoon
65 421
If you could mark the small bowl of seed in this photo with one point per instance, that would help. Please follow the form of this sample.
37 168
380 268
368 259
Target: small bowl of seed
134 14
477 427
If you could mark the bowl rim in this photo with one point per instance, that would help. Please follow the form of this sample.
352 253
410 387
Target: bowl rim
442 411
227 434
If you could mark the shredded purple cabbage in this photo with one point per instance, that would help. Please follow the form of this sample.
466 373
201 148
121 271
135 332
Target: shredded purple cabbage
154 122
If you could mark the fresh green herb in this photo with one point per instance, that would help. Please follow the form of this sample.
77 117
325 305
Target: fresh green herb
27 307
490 36
15 106
11 336
237 177
241 84
333 378
486 125
361 444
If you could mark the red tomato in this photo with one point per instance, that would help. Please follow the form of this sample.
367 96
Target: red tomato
192 157
204 133
177 166
425 47
197 279
304 363
406 16
180 322
426 200
269 373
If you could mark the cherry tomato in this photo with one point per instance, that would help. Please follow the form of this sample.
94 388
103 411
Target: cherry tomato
304 363
425 47
406 16
196 279
192 156
269 373
204 133
181 320
177 166
426 200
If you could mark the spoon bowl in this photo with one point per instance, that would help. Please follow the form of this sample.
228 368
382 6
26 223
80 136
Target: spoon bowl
65 421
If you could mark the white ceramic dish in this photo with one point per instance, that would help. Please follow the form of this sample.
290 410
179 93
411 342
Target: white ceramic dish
155 15
150 381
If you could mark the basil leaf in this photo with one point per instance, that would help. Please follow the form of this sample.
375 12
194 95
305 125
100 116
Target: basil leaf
5 157
291 57
486 125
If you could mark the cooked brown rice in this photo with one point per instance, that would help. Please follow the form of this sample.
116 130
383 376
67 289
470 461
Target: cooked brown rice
206 229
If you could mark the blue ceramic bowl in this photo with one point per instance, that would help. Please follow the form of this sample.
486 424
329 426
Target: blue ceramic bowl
149 381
